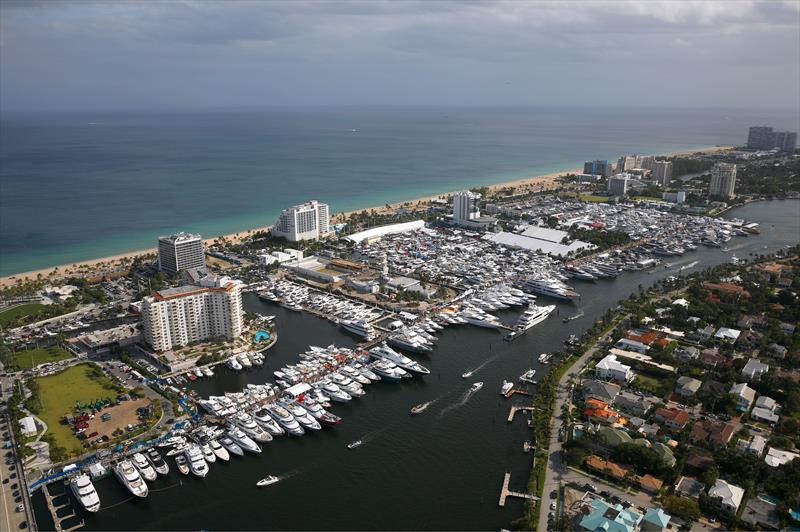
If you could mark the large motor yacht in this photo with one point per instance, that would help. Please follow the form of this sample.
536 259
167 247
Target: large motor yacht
84 491
144 467
387 353
197 464
131 479
286 420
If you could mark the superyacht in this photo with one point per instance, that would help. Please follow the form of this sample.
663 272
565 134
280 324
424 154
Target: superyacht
84 491
131 479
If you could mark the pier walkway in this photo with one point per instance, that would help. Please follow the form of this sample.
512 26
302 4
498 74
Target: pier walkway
505 492
516 408
54 508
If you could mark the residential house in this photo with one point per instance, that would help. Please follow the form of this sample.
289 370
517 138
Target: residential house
749 339
767 403
599 412
728 289
610 518
726 497
745 396
754 446
633 404
712 358
699 461
674 418
611 369
600 390
611 437
655 520
687 352
712 387
727 335
631 345
687 386
776 351
689 487
706 332
788 328
776 457
754 369
761 513
712 433
747 321
764 414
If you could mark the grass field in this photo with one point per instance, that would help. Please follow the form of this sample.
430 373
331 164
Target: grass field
594 199
58 394
10 315
31 358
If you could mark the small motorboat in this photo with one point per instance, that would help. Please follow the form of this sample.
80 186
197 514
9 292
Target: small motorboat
420 408
507 386
266 481
466 375
476 386
354 444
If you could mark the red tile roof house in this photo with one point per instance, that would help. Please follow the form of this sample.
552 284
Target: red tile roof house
673 418
712 433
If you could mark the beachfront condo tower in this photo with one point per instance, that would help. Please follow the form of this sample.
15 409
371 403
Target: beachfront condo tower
180 252
193 313
307 221
723 180
466 206
662 172
618 184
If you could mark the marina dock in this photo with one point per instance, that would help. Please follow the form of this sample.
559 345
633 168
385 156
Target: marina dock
516 408
505 492
54 508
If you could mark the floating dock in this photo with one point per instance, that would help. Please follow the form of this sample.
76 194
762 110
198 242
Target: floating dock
516 408
505 492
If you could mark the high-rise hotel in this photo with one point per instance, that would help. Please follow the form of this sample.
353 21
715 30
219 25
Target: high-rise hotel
307 221
192 313
180 252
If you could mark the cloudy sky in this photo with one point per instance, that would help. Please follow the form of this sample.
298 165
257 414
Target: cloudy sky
60 54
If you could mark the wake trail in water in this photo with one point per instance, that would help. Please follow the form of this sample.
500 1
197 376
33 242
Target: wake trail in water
690 265
485 363
464 399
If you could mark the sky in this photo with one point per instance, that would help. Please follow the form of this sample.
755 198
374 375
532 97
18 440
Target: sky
162 54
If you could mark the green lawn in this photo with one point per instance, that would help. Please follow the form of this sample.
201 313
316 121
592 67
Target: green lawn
11 315
58 394
595 199
31 358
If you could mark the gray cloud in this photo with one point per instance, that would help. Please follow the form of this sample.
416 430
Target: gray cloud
64 55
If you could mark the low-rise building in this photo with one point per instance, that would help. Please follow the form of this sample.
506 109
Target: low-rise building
600 390
754 369
655 520
745 396
689 487
633 403
727 335
609 368
777 457
726 497
761 513
712 433
674 418
687 386
632 345
599 412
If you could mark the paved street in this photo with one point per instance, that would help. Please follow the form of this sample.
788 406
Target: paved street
557 472
11 490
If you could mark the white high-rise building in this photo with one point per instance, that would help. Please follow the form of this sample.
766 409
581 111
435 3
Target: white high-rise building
466 206
662 172
192 313
180 252
307 221
723 180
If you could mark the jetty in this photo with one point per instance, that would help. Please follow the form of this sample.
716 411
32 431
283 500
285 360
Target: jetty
505 492
54 508
516 408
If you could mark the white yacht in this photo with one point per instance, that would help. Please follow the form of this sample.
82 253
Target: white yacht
251 428
233 364
549 287
264 419
144 467
360 328
389 370
476 386
385 352
219 451
533 316
302 415
208 453
506 387
482 319
243 440
413 344
197 464
231 446
183 466
131 479
84 491
332 391
322 415
286 420
157 462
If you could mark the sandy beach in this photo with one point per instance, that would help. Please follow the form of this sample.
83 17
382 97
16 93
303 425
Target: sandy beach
120 261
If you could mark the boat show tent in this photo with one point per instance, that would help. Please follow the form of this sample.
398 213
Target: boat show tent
298 389
377 232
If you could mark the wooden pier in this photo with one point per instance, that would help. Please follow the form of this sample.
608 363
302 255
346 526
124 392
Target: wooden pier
516 408
505 492
53 508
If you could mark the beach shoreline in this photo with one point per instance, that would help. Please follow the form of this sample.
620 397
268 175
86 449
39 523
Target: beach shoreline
121 260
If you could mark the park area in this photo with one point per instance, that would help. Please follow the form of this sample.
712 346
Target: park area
30 358
10 316
58 396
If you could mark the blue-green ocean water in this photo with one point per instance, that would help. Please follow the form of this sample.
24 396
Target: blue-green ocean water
84 185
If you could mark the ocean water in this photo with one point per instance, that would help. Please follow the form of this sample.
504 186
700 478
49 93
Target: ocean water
84 185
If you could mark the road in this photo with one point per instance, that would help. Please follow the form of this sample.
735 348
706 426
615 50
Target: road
11 486
557 472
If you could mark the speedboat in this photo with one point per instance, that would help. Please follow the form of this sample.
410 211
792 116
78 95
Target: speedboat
303 416
233 364
231 446
243 440
506 387
157 462
476 386
466 375
420 408
286 419
264 419
131 479
354 444
218 450
197 464
84 491
266 481
208 453
144 467
183 466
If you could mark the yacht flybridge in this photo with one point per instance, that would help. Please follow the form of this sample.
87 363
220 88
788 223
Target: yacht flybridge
83 489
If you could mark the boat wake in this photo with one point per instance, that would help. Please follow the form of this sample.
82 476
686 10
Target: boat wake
576 316
484 364
464 399
690 265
